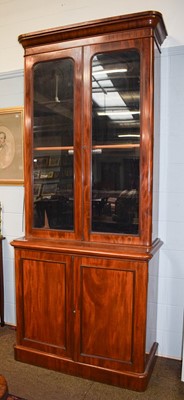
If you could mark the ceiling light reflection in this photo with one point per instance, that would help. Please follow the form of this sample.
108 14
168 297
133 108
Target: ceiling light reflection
129 135
109 71
110 113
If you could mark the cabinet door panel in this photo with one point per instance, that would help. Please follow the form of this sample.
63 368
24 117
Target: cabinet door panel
47 304
107 304
107 312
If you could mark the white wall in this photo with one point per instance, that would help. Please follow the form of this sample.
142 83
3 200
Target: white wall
11 197
17 17
171 213
13 225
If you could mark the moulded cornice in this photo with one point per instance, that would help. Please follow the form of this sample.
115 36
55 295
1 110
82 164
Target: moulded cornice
146 19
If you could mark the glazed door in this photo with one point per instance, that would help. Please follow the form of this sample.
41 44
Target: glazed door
118 141
44 302
53 144
110 313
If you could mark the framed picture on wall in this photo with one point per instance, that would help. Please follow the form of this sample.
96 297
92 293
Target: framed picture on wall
11 146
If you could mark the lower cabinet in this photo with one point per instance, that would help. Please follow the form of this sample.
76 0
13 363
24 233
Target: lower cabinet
83 315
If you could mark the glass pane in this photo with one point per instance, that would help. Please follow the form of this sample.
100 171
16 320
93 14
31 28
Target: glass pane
53 151
115 142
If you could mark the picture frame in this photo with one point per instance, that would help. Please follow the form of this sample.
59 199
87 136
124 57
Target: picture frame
37 189
44 174
54 161
49 189
11 146
41 162
36 174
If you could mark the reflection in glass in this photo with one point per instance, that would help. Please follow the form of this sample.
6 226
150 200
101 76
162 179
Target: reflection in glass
53 152
115 142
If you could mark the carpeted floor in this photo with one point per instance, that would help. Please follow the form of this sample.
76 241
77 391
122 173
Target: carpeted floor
12 397
34 383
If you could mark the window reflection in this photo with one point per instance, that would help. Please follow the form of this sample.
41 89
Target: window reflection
115 142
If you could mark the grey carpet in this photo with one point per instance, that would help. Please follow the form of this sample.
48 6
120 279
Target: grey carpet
35 383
